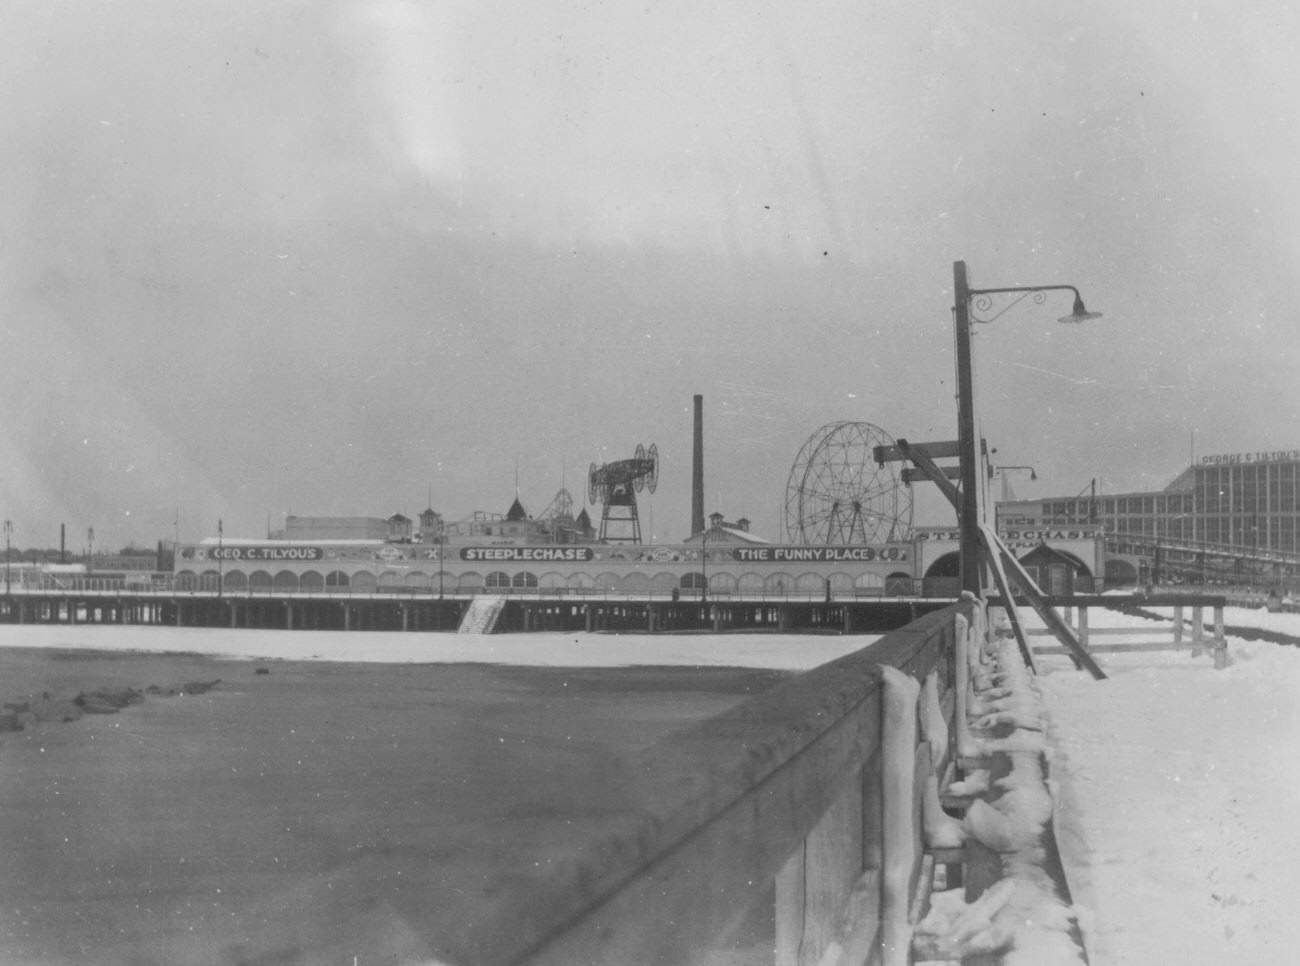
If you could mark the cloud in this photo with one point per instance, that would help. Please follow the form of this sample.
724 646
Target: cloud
415 64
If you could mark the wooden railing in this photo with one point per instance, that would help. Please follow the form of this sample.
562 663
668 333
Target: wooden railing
761 834
1187 628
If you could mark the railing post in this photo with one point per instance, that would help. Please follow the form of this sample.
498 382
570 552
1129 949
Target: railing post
790 892
1220 642
961 685
901 830
829 866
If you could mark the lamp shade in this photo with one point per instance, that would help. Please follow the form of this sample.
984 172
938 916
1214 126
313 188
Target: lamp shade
1080 314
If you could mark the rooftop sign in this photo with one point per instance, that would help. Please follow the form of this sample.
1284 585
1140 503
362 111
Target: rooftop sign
528 554
1268 456
265 553
817 554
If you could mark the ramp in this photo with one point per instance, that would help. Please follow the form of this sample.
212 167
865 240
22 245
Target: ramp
481 615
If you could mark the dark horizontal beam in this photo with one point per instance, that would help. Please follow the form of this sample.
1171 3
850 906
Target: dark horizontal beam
912 475
936 451
1120 601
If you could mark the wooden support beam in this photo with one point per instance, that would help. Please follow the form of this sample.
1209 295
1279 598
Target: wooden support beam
937 476
993 556
948 449
911 474
1042 608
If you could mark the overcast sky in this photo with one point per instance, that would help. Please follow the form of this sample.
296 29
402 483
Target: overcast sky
336 257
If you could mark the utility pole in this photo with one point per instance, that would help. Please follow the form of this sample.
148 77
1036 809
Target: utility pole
969 511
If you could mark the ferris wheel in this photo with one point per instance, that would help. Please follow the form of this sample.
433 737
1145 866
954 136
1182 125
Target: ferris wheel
838 495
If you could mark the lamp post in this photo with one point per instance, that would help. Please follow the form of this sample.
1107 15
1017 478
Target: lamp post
968 306
704 566
221 560
9 529
1006 495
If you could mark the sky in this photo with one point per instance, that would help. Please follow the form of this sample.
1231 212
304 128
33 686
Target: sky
359 258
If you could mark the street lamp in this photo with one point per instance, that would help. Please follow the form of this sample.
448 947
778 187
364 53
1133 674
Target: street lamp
221 559
9 529
1006 493
971 306
704 565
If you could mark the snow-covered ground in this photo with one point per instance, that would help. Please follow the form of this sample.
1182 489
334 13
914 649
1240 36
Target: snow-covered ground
1177 785
785 652
1178 793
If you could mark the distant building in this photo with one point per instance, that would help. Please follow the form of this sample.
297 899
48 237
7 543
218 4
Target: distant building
335 528
399 529
517 528
1232 517
719 531
1248 501
431 527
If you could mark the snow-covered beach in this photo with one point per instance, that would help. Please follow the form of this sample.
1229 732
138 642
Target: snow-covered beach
1177 788
1176 784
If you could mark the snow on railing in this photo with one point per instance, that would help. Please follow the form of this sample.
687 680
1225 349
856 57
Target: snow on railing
1014 908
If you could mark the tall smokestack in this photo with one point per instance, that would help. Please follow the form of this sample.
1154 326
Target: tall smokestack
697 471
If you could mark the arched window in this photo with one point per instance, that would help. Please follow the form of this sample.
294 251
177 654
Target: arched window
868 581
778 583
636 582
842 583
810 583
663 582
524 579
722 583
497 580
898 584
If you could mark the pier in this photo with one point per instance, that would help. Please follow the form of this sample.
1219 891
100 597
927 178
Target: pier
558 609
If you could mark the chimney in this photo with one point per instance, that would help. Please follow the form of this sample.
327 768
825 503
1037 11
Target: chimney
697 470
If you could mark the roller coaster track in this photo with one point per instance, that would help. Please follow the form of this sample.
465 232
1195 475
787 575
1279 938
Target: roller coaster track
1206 562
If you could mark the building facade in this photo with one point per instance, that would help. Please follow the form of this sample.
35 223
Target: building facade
1246 501
1228 518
